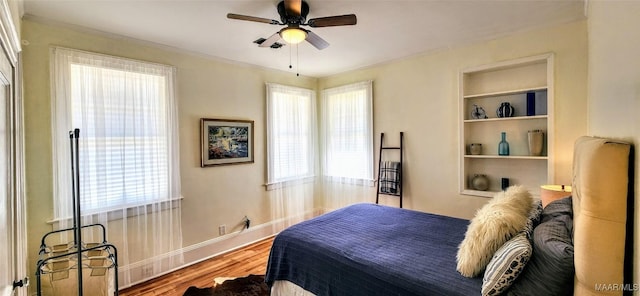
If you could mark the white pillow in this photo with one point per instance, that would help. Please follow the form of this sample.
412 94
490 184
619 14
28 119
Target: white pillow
494 224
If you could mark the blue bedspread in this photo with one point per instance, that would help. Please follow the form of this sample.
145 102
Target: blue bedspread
368 249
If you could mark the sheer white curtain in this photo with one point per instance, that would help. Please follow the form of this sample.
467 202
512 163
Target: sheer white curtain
291 152
129 163
347 144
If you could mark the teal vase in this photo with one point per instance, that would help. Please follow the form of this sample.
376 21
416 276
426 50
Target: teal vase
503 146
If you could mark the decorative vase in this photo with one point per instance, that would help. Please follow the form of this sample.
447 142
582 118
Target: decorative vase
535 138
478 112
475 148
503 146
531 104
504 182
480 182
505 110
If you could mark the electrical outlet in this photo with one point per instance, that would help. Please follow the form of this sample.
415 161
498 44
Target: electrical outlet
222 229
147 270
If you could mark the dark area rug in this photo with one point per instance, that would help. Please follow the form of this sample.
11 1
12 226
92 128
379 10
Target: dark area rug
252 285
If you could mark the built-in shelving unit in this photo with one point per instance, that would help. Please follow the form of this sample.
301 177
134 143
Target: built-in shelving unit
488 86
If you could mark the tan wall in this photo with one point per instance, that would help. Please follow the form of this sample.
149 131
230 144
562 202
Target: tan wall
419 95
206 88
614 82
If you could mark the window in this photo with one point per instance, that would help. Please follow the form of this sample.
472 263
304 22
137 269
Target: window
347 122
291 133
127 116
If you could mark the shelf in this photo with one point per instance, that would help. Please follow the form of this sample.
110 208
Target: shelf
505 93
534 193
507 157
479 193
488 87
506 118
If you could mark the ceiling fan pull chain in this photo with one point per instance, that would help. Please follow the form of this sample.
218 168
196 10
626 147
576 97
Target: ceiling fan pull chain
290 66
297 61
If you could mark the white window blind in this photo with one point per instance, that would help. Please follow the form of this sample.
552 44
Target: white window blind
127 116
347 120
291 133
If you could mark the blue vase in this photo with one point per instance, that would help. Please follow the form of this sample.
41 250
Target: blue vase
503 146
505 110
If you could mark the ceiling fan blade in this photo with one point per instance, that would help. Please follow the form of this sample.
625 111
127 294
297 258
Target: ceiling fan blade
271 40
252 19
330 21
316 41
293 7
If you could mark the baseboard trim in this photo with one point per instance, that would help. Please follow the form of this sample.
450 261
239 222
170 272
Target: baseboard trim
207 249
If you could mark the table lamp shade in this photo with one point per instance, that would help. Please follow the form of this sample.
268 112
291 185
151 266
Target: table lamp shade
549 193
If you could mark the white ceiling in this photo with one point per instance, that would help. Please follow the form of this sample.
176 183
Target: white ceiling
386 29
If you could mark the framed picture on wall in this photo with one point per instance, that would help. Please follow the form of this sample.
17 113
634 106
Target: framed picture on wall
225 141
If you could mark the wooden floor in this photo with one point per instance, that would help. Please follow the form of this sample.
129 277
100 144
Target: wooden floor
248 260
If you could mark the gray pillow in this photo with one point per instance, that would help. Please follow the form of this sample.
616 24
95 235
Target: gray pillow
550 270
534 219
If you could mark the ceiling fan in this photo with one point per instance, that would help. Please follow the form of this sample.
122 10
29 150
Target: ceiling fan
293 14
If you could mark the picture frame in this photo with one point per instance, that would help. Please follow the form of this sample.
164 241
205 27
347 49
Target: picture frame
225 141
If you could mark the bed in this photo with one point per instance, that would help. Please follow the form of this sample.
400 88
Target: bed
368 249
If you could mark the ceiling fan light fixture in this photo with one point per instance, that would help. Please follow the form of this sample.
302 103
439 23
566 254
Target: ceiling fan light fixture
293 35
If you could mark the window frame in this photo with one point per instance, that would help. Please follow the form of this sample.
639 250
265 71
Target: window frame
62 61
367 133
310 172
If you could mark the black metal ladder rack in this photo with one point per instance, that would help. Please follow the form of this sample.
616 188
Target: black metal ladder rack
380 187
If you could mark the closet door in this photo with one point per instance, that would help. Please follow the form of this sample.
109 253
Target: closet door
13 247
7 227
12 205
